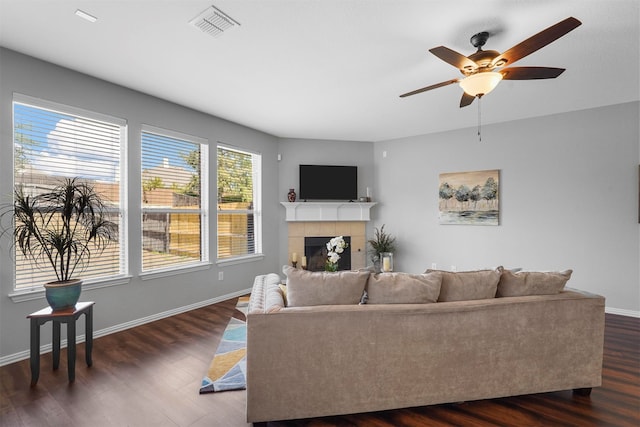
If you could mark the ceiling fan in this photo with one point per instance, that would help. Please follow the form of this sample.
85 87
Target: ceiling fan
479 68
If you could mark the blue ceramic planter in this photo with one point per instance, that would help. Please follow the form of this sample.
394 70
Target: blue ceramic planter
63 295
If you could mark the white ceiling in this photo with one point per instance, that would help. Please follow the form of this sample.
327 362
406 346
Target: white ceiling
333 69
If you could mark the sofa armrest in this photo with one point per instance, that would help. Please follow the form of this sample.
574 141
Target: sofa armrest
567 289
266 295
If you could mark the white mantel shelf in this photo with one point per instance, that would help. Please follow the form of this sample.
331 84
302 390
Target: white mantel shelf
328 211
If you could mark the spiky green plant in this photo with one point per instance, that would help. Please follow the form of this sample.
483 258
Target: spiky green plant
381 242
61 228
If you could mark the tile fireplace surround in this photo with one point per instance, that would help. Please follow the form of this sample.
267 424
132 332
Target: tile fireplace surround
355 229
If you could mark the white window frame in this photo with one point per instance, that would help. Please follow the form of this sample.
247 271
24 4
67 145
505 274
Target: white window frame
204 261
36 290
257 207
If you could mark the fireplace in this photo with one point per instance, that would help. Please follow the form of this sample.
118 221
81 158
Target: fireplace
315 249
353 258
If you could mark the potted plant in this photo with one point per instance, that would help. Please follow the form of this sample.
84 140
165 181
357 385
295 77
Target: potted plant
381 242
61 229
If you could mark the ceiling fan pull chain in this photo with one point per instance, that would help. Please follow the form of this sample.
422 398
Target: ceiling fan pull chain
479 119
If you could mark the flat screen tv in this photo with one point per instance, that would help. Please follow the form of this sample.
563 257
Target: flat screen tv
323 182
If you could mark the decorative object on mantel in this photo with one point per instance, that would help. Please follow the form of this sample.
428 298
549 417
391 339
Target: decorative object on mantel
382 242
304 263
291 195
294 259
386 266
335 247
64 229
469 197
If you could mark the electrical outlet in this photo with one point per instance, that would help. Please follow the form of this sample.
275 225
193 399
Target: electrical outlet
220 275
434 266
453 268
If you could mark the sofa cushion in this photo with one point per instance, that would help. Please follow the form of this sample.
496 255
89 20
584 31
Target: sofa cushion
523 283
306 288
468 285
403 288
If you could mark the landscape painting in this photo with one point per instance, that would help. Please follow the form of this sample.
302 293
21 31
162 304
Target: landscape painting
470 197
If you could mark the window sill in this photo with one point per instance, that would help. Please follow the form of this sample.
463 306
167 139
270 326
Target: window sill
38 293
239 260
173 271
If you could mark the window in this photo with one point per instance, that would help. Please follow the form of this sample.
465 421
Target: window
239 205
174 199
53 142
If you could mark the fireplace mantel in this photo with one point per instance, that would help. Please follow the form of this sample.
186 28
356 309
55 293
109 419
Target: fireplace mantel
327 211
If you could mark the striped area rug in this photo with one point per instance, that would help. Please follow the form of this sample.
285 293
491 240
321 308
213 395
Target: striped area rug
243 304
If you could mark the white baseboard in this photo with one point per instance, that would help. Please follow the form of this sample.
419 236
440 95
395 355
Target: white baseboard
16 357
622 312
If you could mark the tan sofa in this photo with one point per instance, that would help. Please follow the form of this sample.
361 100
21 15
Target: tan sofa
322 360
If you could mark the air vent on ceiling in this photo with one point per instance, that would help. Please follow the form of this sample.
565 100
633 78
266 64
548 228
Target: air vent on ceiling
213 22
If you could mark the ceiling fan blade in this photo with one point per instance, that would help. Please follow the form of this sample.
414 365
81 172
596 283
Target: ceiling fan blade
454 58
435 86
530 73
466 99
537 41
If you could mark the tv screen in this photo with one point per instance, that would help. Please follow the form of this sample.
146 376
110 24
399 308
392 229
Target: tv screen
321 182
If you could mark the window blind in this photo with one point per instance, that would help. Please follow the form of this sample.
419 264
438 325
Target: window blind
54 142
173 210
238 203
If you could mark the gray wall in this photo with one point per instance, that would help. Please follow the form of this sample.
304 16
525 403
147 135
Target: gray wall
569 199
138 299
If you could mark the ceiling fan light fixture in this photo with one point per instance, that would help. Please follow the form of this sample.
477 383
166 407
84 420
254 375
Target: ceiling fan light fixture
480 83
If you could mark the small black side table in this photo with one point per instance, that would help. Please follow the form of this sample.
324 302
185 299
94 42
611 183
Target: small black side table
68 316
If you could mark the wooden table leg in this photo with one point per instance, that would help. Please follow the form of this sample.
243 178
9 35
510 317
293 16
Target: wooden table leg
55 344
71 349
34 359
88 318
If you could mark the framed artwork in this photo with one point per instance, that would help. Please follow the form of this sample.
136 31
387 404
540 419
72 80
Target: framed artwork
471 198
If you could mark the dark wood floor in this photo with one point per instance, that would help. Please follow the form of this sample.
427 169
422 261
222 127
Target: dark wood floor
150 376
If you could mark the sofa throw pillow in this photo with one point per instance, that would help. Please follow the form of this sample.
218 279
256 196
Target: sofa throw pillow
306 288
283 291
468 285
403 288
524 283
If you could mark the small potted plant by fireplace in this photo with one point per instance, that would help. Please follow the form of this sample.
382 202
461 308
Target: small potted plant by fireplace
382 242
61 229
